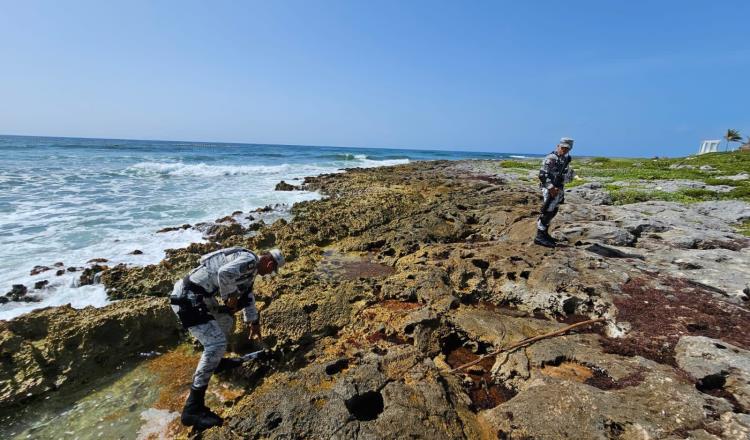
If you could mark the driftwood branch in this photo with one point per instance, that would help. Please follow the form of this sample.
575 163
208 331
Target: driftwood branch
529 341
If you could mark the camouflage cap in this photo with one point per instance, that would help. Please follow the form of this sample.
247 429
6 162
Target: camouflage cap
566 142
278 257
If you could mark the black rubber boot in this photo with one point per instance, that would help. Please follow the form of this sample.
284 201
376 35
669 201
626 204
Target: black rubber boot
542 239
549 237
196 414
228 364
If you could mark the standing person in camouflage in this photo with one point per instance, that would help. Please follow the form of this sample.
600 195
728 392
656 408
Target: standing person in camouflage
553 175
228 273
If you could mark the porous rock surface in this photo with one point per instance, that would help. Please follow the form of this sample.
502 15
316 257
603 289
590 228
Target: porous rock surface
402 273
58 346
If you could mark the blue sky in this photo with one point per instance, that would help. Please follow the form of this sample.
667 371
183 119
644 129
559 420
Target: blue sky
623 78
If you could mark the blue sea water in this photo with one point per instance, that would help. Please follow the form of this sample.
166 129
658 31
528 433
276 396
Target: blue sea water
71 200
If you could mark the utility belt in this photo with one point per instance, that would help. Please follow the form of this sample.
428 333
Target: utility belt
557 181
192 309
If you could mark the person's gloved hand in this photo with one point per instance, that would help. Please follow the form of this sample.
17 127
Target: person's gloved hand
231 304
554 191
263 356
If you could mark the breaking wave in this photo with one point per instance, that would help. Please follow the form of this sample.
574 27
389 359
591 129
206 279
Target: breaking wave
204 170
180 169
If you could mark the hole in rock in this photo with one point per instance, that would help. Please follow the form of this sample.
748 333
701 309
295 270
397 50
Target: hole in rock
273 422
337 367
711 382
309 308
569 306
366 406
697 326
614 429
389 252
480 263
713 385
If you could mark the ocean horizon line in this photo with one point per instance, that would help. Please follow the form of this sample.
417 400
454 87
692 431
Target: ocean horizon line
225 143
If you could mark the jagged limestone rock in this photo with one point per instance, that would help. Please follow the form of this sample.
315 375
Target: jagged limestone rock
59 346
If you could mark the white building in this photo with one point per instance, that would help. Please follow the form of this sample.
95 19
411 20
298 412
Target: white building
709 147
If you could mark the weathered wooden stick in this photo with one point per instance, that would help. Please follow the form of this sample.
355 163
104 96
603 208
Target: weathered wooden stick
529 341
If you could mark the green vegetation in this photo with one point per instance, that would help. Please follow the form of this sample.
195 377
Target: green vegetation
720 166
522 164
629 195
576 182
610 170
744 228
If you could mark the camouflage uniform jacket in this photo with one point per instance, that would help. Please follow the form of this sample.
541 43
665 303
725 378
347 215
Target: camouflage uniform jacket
554 170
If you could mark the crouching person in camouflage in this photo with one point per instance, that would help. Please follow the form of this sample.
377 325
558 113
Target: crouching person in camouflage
228 273
553 175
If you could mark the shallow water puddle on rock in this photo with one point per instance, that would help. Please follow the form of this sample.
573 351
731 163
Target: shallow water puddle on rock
108 408
351 266
484 393
142 401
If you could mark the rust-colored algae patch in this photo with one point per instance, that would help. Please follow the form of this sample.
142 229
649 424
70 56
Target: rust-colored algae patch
600 379
483 392
353 270
568 370
351 266
174 371
660 315
395 305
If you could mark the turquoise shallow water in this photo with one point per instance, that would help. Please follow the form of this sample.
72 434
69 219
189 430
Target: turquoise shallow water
70 200
116 407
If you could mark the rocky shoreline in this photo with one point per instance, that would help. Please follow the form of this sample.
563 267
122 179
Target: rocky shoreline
401 273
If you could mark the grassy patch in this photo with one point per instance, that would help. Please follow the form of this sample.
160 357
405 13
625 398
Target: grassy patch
719 181
744 228
627 196
722 164
607 169
575 182
523 164
623 196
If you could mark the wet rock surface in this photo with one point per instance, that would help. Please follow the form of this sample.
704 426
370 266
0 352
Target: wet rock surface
401 274
283 186
19 292
59 346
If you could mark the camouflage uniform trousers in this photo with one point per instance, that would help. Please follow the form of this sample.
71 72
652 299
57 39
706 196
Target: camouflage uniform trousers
549 209
213 336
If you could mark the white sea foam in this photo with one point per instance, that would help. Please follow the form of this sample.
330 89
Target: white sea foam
369 163
77 297
204 170
156 424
